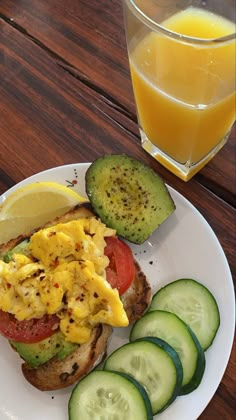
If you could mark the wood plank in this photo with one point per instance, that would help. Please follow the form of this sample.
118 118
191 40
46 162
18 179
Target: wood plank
80 29
219 175
225 395
40 96
76 32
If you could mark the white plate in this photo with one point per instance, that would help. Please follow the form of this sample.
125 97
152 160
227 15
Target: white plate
183 246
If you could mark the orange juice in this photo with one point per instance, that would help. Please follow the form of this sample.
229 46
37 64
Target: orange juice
185 93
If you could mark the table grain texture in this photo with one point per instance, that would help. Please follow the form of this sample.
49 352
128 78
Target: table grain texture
66 97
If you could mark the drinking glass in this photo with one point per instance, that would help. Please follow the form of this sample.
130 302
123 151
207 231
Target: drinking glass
182 65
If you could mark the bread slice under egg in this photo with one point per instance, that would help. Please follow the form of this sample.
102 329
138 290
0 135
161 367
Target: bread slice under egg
56 374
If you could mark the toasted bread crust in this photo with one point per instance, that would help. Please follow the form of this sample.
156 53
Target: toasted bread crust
56 374
137 298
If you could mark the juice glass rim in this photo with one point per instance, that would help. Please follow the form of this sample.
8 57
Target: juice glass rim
182 38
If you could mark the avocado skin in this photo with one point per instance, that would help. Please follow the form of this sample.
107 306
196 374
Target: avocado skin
36 354
128 196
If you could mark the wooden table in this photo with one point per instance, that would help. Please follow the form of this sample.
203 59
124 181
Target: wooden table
66 97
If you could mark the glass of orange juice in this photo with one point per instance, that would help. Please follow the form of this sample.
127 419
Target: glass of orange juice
182 64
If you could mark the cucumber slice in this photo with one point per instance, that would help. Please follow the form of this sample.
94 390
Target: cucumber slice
128 196
194 304
155 365
175 332
109 395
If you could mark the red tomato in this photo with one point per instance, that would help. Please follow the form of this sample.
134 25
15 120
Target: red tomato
30 331
121 270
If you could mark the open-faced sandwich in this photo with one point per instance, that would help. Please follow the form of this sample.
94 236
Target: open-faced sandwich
62 290
65 286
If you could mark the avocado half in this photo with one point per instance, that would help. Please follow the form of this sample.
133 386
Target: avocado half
128 196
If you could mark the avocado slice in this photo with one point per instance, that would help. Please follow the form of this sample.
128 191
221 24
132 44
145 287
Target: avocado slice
128 196
21 248
36 354
66 349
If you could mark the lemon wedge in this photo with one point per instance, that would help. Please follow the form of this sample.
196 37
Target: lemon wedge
33 205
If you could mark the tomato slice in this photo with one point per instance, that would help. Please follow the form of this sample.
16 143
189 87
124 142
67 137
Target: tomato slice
121 270
30 331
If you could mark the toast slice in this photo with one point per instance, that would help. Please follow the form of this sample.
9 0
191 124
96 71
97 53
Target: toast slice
56 374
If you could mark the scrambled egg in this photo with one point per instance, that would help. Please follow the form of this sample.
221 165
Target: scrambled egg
64 275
